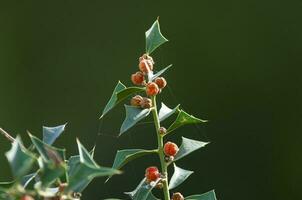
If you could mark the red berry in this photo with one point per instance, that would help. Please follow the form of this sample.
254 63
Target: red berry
138 78
27 197
170 149
145 66
152 174
177 196
152 89
161 82
146 103
136 100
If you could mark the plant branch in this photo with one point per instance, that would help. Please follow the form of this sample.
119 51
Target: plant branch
7 135
161 154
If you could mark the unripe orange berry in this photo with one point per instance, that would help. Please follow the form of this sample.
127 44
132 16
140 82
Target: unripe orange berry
152 89
161 82
27 197
136 100
146 103
152 174
145 66
138 78
170 149
177 196
146 57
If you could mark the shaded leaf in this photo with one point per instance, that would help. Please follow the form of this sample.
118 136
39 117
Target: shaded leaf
152 76
165 112
133 115
179 176
154 38
19 158
85 171
206 196
50 172
122 157
143 190
182 119
120 93
187 147
48 152
152 197
50 134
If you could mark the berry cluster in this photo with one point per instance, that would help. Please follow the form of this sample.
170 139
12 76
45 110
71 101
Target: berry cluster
152 87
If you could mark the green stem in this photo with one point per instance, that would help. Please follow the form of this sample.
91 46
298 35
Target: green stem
164 166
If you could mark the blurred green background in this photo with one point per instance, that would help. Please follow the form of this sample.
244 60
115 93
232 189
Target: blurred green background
236 63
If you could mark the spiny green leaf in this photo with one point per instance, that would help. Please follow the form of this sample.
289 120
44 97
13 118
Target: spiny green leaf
75 160
182 119
179 176
120 93
206 196
50 172
152 76
19 158
187 147
85 171
50 134
154 38
143 190
166 112
28 178
113 100
48 152
122 157
152 197
133 115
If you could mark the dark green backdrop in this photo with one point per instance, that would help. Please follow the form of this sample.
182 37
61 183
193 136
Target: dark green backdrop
236 63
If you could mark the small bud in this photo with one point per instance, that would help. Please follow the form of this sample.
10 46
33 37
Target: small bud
169 158
161 82
62 186
162 130
136 100
159 185
177 196
146 103
146 57
170 149
152 174
27 197
152 89
138 78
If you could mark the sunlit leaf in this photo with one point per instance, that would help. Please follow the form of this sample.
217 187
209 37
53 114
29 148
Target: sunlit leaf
120 93
166 112
143 190
179 176
184 118
50 134
27 179
19 158
154 38
206 196
152 76
133 115
187 147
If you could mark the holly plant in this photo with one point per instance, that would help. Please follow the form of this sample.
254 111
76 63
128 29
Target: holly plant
42 171
150 83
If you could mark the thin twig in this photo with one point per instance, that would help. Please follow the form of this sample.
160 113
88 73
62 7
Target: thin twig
7 135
